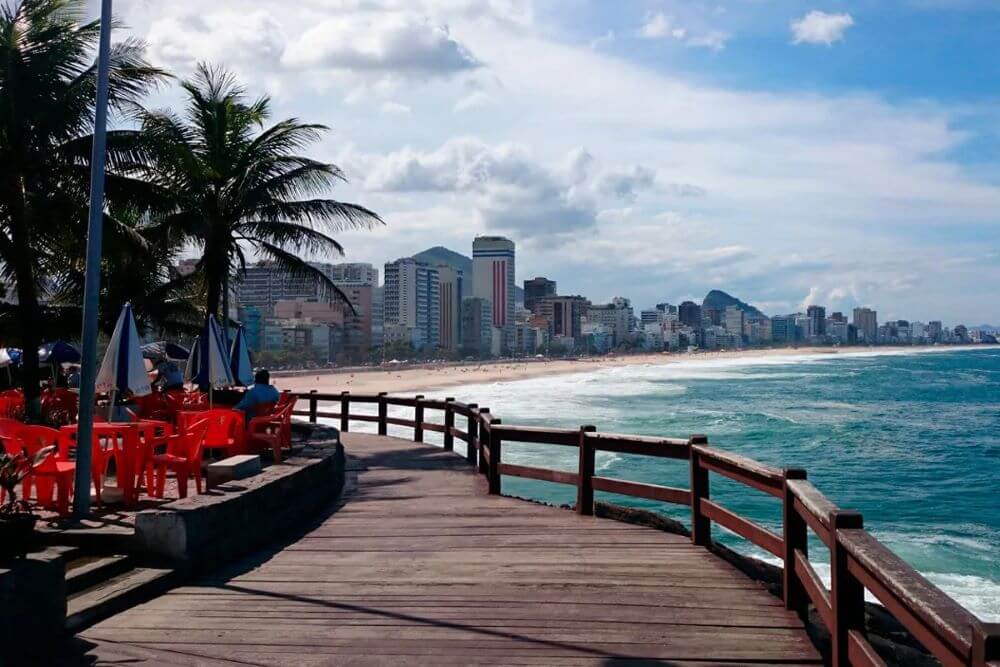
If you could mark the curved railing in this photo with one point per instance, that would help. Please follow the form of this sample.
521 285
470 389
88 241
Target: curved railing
858 561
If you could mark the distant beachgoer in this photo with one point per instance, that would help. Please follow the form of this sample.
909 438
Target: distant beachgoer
260 393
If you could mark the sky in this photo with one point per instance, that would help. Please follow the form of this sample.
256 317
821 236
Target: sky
837 152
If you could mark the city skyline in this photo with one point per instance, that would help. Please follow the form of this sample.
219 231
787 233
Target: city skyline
780 150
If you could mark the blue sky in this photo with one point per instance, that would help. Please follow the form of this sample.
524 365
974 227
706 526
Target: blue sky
840 152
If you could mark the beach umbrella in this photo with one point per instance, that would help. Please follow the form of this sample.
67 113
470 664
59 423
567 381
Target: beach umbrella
161 350
208 363
10 356
239 359
58 352
123 370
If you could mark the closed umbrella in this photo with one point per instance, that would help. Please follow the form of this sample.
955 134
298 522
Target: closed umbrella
239 359
161 350
123 370
10 356
56 353
209 362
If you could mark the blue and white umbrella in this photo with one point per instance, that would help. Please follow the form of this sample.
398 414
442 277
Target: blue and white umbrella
239 359
58 352
209 361
9 356
123 370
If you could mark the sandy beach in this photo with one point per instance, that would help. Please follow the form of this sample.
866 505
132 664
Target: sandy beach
428 377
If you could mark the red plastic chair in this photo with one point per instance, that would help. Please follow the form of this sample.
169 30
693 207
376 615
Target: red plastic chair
55 472
225 428
60 401
10 428
183 458
117 441
272 430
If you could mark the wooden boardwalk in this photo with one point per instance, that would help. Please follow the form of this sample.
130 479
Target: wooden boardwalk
420 566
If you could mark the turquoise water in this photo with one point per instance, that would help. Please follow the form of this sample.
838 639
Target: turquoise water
912 440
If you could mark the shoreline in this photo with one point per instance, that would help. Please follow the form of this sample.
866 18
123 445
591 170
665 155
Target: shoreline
439 376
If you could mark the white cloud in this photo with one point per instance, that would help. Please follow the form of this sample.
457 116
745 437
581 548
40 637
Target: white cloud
606 38
381 41
818 27
395 108
227 37
628 183
473 100
658 25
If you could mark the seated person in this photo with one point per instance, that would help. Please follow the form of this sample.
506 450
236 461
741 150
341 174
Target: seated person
261 393
168 376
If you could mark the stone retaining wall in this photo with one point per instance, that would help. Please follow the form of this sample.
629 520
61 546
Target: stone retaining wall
231 520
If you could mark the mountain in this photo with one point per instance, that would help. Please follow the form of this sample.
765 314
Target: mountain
719 300
441 255
456 260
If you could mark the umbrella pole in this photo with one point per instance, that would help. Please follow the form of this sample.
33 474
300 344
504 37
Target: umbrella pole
111 404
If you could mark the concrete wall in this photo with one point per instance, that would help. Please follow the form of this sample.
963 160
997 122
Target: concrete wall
32 607
205 531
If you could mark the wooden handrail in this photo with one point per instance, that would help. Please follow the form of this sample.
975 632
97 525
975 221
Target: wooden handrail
858 561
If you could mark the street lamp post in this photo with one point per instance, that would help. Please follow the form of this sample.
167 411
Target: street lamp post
92 282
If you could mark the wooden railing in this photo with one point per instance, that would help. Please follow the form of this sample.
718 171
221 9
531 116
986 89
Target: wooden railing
858 561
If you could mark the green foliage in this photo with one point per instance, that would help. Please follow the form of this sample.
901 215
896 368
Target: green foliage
13 469
239 185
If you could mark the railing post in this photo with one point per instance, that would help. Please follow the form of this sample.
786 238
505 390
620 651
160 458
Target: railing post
472 435
585 475
847 595
383 413
796 537
701 527
312 406
484 414
494 478
418 418
345 411
449 423
985 643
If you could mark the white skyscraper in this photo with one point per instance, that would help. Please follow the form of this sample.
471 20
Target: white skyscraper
493 279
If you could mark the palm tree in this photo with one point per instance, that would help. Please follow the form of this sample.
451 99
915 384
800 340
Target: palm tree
241 188
48 87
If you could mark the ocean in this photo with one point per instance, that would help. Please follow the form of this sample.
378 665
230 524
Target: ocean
910 439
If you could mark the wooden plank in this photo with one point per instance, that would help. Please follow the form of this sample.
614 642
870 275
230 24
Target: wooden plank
942 625
664 494
543 474
668 448
813 521
742 469
814 588
860 652
757 534
545 436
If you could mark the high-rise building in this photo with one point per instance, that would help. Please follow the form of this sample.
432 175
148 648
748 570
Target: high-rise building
817 321
666 308
411 302
690 314
493 280
378 322
934 331
450 310
783 329
537 288
734 319
866 322
477 325
352 273
564 315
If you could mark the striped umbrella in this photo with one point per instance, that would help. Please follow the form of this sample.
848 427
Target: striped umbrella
123 370
208 364
239 359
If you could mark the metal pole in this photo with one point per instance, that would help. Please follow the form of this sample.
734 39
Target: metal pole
92 283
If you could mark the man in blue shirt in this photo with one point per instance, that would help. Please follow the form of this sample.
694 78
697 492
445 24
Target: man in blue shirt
262 392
